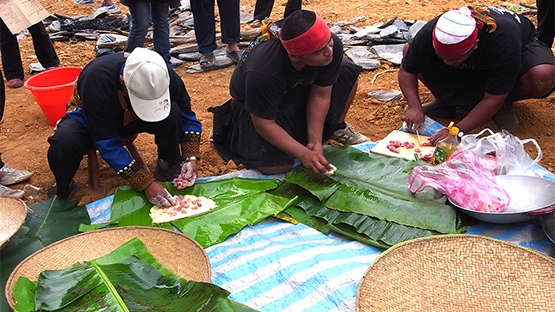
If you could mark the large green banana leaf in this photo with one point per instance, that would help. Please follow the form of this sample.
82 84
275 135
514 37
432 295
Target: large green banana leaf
309 210
128 279
367 199
46 223
375 186
241 202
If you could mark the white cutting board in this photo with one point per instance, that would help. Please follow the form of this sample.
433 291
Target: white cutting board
396 135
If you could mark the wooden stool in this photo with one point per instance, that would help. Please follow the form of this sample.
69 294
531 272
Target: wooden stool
93 167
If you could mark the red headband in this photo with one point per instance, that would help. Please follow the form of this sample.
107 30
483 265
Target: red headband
310 41
457 49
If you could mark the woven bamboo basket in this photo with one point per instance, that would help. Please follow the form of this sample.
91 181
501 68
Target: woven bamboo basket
177 252
12 215
458 273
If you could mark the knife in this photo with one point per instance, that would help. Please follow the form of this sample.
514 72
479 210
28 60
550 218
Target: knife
418 136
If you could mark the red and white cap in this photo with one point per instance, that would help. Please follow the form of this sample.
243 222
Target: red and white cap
455 32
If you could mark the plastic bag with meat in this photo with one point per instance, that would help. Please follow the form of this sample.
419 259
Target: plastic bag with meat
468 179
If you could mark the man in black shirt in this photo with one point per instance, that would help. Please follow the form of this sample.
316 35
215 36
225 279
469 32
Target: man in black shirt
289 95
480 59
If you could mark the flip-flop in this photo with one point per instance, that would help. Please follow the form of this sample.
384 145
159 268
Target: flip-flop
235 56
207 60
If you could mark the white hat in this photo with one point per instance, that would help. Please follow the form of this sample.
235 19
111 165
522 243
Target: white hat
147 80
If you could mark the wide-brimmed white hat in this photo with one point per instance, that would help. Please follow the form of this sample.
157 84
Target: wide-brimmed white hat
147 80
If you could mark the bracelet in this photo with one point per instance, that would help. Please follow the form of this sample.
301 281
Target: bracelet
189 158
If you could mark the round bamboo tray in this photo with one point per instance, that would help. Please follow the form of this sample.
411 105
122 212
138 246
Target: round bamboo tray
458 273
178 253
12 215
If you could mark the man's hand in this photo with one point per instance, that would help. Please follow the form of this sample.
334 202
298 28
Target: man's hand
414 117
315 161
439 135
188 175
158 195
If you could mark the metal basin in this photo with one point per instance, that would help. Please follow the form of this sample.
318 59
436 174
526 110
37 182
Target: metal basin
548 226
530 197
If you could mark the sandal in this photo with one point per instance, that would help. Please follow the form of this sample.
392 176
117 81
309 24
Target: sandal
235 56
207 60
256 23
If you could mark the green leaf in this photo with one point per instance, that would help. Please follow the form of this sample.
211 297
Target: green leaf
240 201
46 222
128 279
367 199
53 220
215 226
375 186
24 290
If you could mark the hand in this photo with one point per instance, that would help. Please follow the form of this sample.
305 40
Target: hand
439 135
188 175
158 195
317 147
315 161
414 117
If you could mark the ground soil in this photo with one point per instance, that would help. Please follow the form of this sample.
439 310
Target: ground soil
24 130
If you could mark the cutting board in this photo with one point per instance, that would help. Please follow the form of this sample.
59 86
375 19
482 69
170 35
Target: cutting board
396 135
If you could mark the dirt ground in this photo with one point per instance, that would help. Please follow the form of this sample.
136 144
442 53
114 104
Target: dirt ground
24 130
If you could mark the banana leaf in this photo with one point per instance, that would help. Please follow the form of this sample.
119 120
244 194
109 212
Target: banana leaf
46 222
241 202
128 279
375 186
295 214
369 230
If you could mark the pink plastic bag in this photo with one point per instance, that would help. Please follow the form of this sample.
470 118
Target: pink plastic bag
468 179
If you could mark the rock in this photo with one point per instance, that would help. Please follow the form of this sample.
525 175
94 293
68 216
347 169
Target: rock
385 95
390 52
362 57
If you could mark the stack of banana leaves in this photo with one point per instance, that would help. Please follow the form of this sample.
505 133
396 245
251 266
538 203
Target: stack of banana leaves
127 279
367 199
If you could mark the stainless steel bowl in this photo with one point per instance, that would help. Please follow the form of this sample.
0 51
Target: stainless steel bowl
548 226
530 197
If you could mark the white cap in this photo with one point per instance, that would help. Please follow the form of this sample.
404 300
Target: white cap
147 80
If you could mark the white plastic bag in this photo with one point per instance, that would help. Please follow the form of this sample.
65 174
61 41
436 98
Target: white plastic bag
512 158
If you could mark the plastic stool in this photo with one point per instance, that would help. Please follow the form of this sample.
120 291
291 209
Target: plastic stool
93 167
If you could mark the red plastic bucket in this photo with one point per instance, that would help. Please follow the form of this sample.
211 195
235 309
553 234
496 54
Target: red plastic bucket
52 90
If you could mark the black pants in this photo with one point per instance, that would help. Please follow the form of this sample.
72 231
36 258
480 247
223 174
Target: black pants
546 21
11 58
72 140
263 8
2 98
